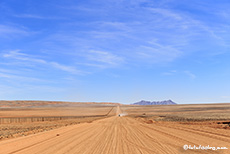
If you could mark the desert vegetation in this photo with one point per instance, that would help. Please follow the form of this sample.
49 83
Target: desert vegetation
22 121
195 112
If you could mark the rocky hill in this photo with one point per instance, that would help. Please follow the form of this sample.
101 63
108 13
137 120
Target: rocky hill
166 102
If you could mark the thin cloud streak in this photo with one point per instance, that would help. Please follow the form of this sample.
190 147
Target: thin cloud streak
10 31
34 16
17 55
20 78
30 16
106 58
190 74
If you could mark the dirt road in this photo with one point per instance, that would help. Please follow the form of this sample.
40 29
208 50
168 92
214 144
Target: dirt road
118 135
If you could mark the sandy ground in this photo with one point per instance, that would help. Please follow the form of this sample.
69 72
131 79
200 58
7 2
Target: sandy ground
119 135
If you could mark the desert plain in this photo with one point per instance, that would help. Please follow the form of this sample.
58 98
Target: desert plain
36 127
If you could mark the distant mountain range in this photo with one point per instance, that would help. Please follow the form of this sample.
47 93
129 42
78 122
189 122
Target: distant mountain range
166 102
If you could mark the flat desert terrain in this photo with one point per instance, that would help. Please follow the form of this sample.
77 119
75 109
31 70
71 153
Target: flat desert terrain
117 129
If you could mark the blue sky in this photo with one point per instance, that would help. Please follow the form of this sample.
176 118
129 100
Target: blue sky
115 50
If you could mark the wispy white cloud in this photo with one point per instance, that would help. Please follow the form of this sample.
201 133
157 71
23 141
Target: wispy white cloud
34 16
166 13
17 76
93 65
7 70
18 55
103 58
21 78
169 73
190 74
175 72
159 53
114 25
30 16
12 31
66 68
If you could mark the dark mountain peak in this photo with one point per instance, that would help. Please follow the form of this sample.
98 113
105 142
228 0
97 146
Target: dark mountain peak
165 102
